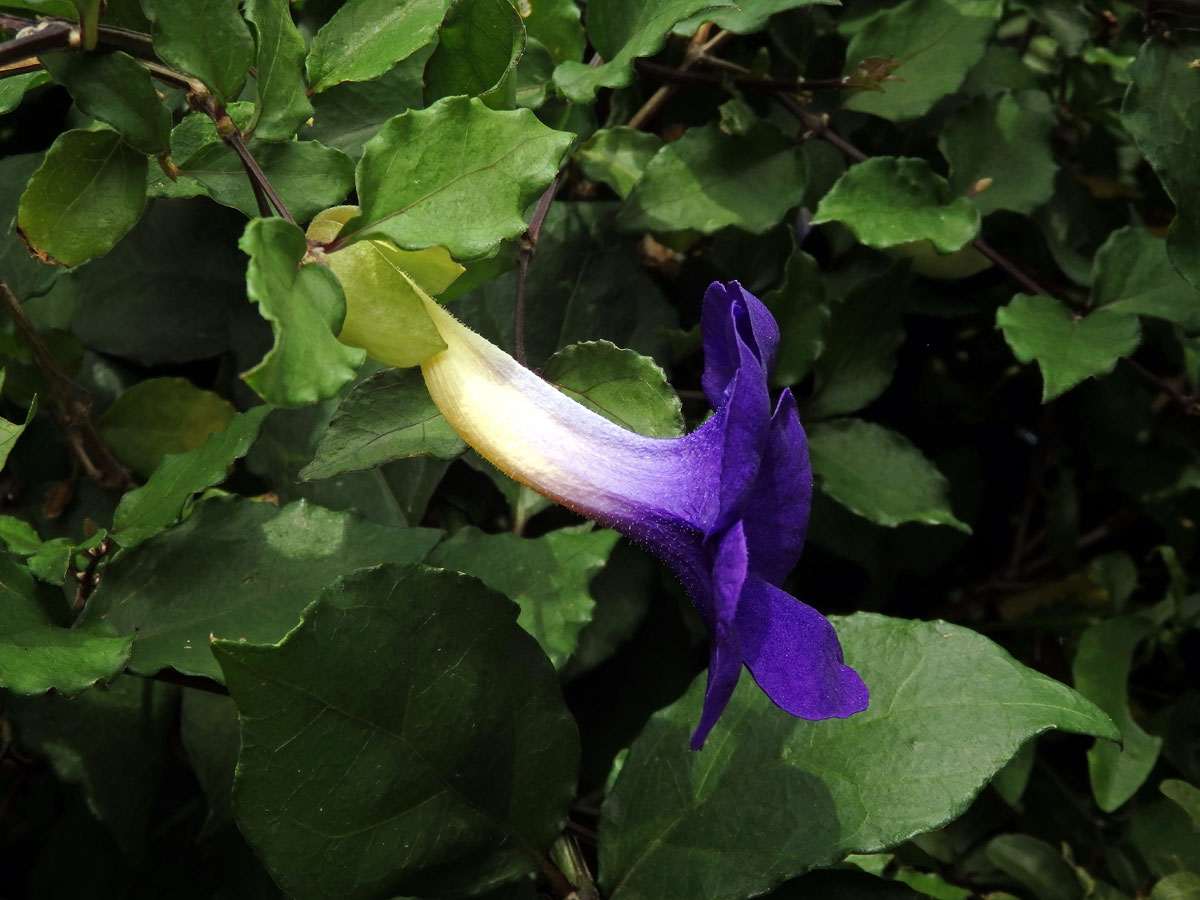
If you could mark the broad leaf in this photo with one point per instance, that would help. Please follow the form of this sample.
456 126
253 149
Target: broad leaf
878 474
887 201
1184 794
935 42
1068 347
1162 113
771 796
273 562
365 38
86 195
1133 274
13 88
384 673
799 306
621 385
208 39
467 201
389 416
479 44
280 104
305 306
115 88
618 156
555 25
160 502
621 31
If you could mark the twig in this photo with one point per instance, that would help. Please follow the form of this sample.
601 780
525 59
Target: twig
199 683
699 45
80 432
37 38
20 68
1190 403
89 578
563 889
1013 270
524 255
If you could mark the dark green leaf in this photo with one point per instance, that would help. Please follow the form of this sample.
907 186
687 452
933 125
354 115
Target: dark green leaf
771 796
86 195
747 17
1036 865
1162 113
18 536
272 564
879 474
479 43
1179 886
1068 348
621 31
38 654
208 39
384 674
1186 795
621 385
799 306
281 106
208 728
1133 274
160 416
10 431
115 88
887 201
159 503
1004 138
389 416
547 577
936 43
25 275
1100 672
305 307
365 38
555 25
13 89
707 180
844 884
618 156
466 201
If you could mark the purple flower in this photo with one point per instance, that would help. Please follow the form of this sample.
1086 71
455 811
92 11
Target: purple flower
725 506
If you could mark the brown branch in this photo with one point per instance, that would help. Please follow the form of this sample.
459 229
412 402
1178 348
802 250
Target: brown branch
35 38
88 579
197 682
528 244
1189 403
698 46
20 68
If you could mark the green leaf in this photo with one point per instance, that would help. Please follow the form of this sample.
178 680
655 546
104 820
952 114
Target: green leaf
18 536
86 195
272 564
280 104
479 43
144 512
621 385
365 38
1162 113
25 275
936 43
389 416
618 156
160 416
115 88
707 180
747 17
887 201
208 39
208 729
1100 672
1005 138
1186 795
10 431
799 306
1036 865
466 201
384 673
878 474
1068 348
37 654
860 345
305 306
1179 886
555 25
771 796
621 31
13 89
547 577
1133 274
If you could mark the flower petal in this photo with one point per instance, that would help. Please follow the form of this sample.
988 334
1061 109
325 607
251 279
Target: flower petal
794 655
724 669
733 316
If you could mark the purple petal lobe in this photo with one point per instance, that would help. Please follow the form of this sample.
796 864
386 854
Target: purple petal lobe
732 315
728 576
724 668
794 655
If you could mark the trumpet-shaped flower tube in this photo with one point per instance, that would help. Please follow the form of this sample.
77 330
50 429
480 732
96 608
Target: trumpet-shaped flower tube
725 506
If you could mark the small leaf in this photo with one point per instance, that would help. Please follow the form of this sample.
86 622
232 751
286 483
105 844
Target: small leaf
547 577
467 201
10 431
479 43
268 565
18 536
439 755
887 201
675 825
161 500
618 156
878 474
1036 865
621 385
1133 274
1068 348
1185 794
280 104
208 39
305 306
621 31
799 306
934 42
115 88
160 416
388 416
365 38
86 195
707 180
13 89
